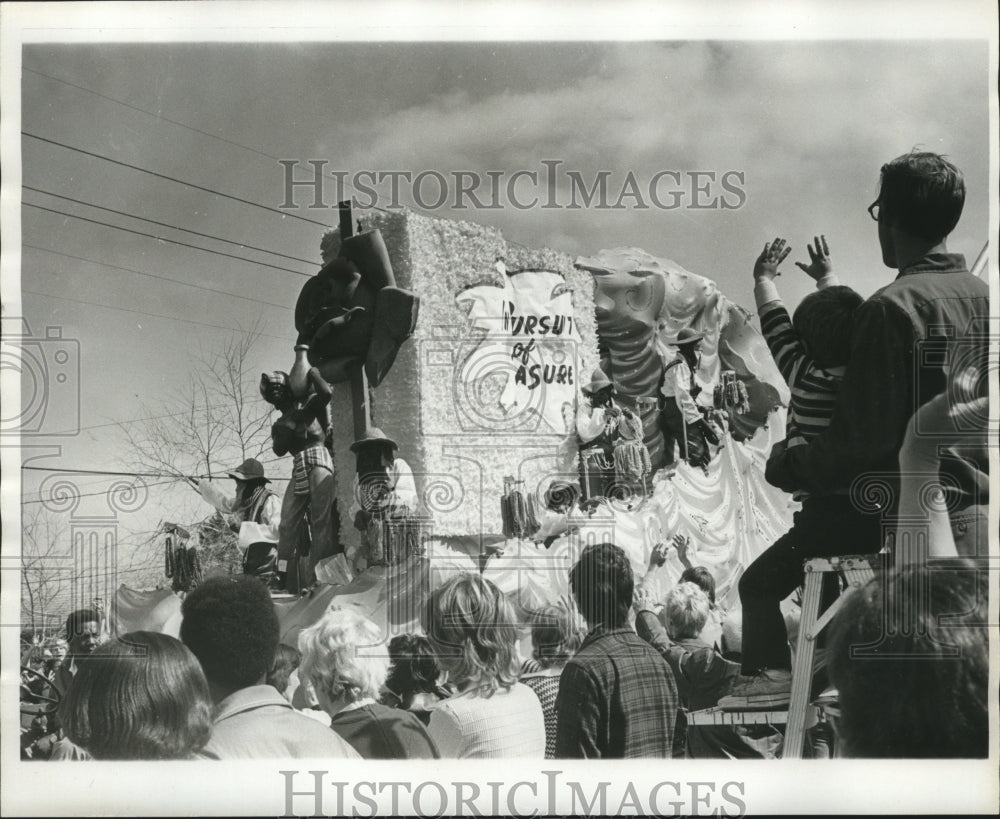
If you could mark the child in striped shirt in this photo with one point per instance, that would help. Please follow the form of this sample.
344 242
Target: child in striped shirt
811 350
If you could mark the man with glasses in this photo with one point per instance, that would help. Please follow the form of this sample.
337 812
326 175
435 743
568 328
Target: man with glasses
902 339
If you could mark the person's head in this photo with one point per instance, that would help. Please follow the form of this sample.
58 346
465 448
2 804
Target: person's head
557 631
561 496
916 688
471 626
230 625
413 667
274 387
689 343
54 652
343 657
286 660
920 199
83 632
249 477
702 578
602 585
328 245
687 610
144 696
824 321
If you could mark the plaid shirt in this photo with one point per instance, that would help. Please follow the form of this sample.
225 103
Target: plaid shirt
304 461
617 700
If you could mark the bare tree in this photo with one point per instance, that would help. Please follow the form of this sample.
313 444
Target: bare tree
217 420
45 562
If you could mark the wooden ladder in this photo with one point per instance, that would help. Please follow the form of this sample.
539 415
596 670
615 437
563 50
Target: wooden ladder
857 570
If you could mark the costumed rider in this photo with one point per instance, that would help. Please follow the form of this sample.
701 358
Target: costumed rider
302 431
597 420
385 495
254 512
682 420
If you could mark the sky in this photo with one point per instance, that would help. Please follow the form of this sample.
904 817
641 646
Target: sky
802 127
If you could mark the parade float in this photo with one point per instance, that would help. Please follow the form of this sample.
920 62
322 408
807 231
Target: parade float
480 351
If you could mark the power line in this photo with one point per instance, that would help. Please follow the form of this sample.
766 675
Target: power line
93 494
167 225
156 276
165 239
175 179
74 471
144 313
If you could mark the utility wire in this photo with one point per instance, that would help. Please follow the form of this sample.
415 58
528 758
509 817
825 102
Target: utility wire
156 276
168 225
92 494
144 313
174 179
164 239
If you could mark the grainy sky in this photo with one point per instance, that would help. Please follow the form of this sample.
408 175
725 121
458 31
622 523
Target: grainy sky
807 124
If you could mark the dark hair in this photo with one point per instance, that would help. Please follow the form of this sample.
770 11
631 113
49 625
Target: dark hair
286 660
556 633
702 578
602 585
78 619
915 689
144 696
413 668
231 626
560 494
825 322
923 194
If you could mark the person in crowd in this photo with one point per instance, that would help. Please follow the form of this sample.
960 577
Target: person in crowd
681 420
955 422
556 633
471 626
140 696
617 695
703 675
254 513
230 625
281 675
916 687
83 636
413 682
344 657
900 341
812 351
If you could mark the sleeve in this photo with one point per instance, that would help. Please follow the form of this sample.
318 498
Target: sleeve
680 378
270 515
873 407
355 505
577 715
649 627
780 335
446 733
215 496
404 489
589 426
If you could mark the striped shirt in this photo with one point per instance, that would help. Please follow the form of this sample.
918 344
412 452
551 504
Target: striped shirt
304 461
813 389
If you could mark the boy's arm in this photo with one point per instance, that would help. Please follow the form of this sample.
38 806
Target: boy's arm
775 323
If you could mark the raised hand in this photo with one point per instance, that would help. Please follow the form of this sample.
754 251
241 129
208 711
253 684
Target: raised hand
819 259
773 254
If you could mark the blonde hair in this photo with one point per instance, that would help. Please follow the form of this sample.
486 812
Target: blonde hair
687 608
471 626
343 657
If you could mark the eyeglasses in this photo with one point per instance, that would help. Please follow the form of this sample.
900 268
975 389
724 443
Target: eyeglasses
873 210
